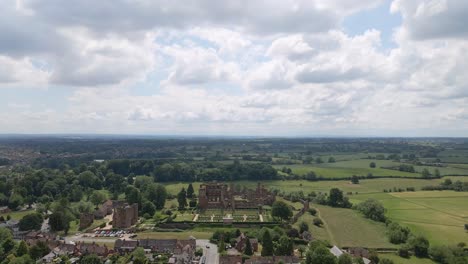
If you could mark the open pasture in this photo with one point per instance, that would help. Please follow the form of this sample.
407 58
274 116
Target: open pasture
438 215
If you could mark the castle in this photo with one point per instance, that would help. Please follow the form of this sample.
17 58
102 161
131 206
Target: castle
125 216
222 196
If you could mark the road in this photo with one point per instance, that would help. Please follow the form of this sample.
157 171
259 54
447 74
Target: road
211 254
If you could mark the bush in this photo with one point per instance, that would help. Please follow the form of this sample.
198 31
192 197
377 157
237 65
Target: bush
386 261
192 203
102 225
372 209
312 211
404 252
420 246
317 221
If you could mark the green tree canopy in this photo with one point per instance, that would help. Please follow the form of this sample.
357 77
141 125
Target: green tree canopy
281 210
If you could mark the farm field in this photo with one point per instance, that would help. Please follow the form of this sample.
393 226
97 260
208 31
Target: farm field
438 215
360 167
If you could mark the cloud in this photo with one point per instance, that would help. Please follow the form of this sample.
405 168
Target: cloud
433 19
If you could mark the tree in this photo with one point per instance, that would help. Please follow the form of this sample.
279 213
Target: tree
425 173
355 179
420 246
437 173
345 259
337 199
321 255
303 227
248 248
317 221
39 250
372 209
98 197
318 160
22 249
331 160
90 259
138 256
58 221
221 246
190 191
160 197
267 244
372 165
281 210
182 198
133 195
8 245
359 260
148 208
31 222
15 201
284 247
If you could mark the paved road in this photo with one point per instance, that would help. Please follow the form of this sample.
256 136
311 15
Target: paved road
211 253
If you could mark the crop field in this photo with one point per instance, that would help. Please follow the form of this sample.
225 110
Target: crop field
439 215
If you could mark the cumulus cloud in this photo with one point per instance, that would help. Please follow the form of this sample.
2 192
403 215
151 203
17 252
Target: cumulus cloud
283 67
433 19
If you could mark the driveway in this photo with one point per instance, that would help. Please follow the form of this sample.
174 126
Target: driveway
211 254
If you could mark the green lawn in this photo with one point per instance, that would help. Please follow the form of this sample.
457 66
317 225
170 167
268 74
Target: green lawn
18 214
438 215
348 228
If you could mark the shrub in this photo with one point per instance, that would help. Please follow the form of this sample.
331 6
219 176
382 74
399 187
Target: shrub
372 209
313 211
317 221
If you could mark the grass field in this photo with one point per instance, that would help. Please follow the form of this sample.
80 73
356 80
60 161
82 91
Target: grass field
438 215
413 260
17 215
360 167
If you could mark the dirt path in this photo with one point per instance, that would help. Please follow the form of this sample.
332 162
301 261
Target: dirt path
325 225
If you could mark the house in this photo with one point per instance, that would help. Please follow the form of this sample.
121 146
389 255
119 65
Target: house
336 251
123 246
230 259
82 248
242 240
158 245
4 210
273 260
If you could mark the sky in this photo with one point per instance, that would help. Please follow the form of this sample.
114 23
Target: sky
235 67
